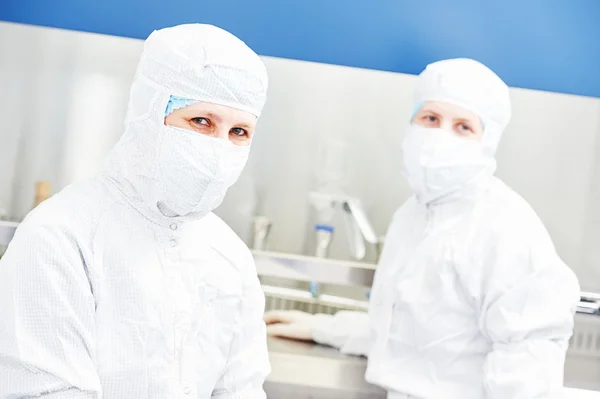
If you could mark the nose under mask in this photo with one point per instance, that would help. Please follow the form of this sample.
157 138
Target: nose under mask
195 171
438 162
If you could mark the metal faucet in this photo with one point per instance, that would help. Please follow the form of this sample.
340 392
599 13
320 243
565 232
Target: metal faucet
358 225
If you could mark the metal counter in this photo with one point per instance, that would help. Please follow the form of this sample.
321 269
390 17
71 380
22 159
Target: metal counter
304 370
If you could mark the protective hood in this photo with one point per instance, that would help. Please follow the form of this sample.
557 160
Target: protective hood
473 86
168 172
439 165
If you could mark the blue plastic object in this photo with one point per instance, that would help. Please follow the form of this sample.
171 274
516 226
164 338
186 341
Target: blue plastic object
324 227
313 287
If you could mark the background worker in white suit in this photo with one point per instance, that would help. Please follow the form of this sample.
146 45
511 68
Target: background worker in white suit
470 299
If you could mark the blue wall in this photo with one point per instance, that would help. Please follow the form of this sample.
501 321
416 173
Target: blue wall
539 44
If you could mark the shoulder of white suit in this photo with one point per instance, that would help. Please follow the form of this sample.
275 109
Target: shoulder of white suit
505 215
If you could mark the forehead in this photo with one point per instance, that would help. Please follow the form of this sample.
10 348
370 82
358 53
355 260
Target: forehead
449 110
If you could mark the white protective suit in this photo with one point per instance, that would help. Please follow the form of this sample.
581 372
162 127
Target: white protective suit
470 299
126 286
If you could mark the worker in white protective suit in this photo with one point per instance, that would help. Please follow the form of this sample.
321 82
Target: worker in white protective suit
470 299
126 285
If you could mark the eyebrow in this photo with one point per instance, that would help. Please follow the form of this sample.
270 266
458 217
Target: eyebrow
213 116
218 119
466 121
431 112
244 125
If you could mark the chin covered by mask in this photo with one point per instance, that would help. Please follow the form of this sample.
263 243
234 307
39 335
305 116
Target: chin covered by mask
197 171
440 164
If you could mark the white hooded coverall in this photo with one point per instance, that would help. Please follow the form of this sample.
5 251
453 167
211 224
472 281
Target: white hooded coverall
470 299
126 286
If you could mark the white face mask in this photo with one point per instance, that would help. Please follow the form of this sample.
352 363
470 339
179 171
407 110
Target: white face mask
195 171
439 162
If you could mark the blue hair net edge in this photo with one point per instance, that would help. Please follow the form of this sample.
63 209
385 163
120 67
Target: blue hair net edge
177 103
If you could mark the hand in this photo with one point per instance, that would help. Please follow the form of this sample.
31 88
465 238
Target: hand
290 324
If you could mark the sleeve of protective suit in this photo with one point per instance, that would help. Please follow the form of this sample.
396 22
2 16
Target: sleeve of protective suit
248 364
46 317
346 331
350 332
527 313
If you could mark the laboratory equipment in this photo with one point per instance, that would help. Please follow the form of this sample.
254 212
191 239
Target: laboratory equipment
324 235
358 226
589 303
261 228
